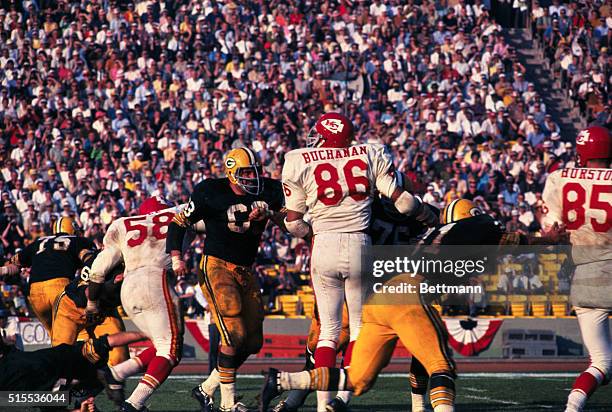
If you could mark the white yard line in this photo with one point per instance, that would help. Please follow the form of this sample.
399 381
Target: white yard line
488 399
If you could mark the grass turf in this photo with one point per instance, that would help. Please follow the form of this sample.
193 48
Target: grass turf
477 393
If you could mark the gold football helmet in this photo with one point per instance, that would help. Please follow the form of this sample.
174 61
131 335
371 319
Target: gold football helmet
243 169
65 225
459 209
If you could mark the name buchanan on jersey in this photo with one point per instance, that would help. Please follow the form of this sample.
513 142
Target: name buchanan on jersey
590 174
329 154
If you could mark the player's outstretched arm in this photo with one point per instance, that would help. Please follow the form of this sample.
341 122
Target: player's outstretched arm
555 235
174 244
9 269
295 224
106 260
19 260
183 220
411 205
277 217
124 338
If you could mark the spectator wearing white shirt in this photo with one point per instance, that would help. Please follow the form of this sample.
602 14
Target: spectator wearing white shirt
504 283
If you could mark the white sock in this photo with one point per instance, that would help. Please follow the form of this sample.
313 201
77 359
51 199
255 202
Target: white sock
323 398
140 395
418 402
576 401
210 385
295 380
126 369
228 395
444 408
344 396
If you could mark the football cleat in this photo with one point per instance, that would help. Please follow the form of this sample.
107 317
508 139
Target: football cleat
337 405
114 388
270 389
206 401
128 407
238 407
283 407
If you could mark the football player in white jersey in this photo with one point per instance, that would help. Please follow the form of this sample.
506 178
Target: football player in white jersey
581 199
148 299
335 182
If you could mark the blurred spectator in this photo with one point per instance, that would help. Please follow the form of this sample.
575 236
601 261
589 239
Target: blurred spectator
505 281
575 38
9 330
284 284
186 293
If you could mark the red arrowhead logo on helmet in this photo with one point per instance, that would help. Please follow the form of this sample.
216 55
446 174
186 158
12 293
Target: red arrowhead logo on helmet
593 143
331 130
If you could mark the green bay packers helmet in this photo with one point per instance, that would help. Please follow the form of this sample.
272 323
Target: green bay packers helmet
65 225
239 162
459 209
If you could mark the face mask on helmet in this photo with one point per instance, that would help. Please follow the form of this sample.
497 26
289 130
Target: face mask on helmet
250 179
314 138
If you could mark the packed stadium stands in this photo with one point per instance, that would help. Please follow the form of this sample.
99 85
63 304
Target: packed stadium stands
103 104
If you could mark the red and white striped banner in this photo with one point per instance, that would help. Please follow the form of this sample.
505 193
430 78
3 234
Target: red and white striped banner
469 337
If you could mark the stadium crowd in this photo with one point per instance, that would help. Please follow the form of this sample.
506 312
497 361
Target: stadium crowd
575 38
103 104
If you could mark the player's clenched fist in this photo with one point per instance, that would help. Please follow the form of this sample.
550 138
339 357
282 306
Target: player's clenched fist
259 213
178 265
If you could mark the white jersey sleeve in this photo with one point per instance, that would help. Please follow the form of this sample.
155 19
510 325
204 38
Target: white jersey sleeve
552 201
109 257
295 195
383 168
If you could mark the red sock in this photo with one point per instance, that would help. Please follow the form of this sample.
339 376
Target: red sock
348 354
588 381
146 356
325 357
159 369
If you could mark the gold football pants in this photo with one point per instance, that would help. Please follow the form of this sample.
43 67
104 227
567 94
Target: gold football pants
419 328
69 326
42 296
235 303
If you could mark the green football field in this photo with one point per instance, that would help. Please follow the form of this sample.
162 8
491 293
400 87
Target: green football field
476 392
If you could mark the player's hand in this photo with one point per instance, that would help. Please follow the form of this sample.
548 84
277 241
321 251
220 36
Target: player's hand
178 266
426 216
557 234
258 214
93 316
87 405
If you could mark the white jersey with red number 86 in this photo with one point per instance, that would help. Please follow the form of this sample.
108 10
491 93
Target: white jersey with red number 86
335 185
582 200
